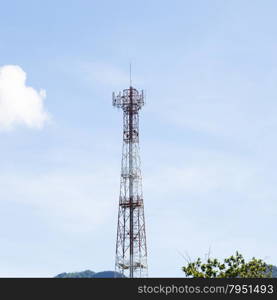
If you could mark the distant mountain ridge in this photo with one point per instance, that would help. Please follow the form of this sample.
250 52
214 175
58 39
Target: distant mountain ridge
112 274
90 274
274 271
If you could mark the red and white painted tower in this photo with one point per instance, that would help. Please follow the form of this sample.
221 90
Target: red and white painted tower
131 251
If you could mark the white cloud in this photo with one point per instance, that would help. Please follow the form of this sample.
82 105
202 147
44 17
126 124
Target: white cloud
20 104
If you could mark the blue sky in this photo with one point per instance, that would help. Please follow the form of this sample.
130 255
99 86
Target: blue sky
208 131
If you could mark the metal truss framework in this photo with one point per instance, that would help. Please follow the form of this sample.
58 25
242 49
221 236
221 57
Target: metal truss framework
131 251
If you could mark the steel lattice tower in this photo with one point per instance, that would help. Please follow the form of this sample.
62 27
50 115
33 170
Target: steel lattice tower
131 251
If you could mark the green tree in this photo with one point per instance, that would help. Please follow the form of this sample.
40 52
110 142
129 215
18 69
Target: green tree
234 266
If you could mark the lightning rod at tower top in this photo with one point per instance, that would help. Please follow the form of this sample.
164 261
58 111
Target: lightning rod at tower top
131 250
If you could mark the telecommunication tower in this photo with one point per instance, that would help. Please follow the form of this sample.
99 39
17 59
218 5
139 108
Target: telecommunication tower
131 251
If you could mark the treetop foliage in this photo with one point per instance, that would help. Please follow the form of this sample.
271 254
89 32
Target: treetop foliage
234 266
